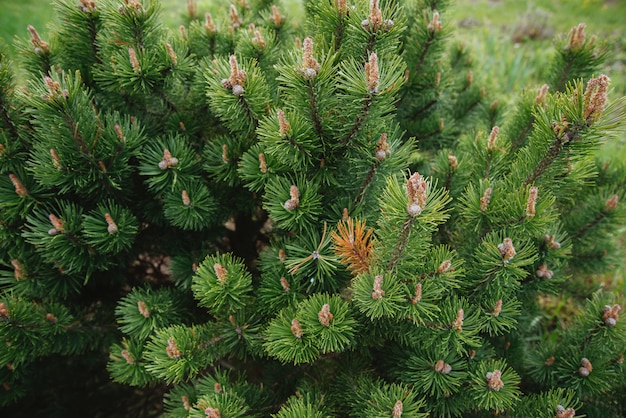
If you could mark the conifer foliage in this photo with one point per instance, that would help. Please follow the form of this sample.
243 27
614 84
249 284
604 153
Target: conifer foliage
254 216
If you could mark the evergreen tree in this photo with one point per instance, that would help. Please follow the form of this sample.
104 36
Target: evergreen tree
260 217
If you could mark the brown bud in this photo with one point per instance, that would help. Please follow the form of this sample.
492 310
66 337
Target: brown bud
56 222
310 64
491 144
434 25
382 148
128 357
552 244
40 46
397 409
87 6
458 322
550 361
276 18
452 160
485 200
258 39
112 226
19 187
507 250
294 200
283 126
342 7
238 90
611 315
372 74
417 296
442 367
296 329
378 292
172 349
4 311
217 387
584 362
56 161
444 267
235 20
541 96
325 316
192 9
576 38
212 412
225 158
595 98
611 203
543 272
374 20
171 53
498 308
143 309
561 412
284 284
237 77
133 60
167 161
185 197
494 380
416 188
262 163
531 202
186 403
209 25
220 272
51 318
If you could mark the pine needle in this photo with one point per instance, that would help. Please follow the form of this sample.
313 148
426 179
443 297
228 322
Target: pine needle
353 245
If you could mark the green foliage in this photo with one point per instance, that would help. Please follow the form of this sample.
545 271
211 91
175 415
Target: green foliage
240 216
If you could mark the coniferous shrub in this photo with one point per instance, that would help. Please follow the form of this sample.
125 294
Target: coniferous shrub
259 217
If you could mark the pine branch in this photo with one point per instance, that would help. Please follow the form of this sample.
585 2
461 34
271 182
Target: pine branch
366 183
401 243
353 244
6 118
430 38
591 224
515 144
314 111
573 133
358 122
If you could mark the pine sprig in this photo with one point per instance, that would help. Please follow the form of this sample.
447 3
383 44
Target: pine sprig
222 284
353 244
